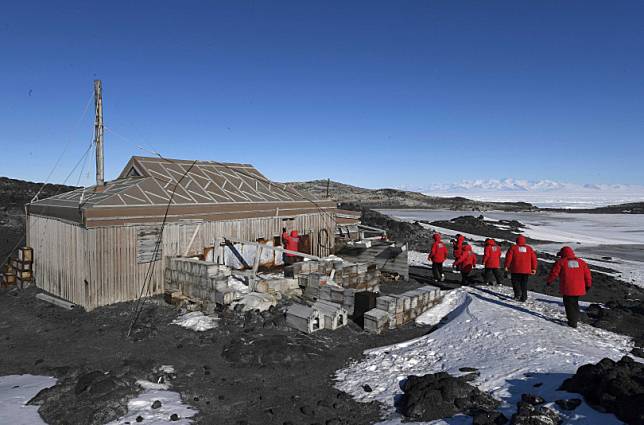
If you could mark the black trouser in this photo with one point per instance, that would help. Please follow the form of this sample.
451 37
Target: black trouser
496 273
437 271
520 286
571 305
465 277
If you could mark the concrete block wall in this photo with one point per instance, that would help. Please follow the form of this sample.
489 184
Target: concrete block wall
199 279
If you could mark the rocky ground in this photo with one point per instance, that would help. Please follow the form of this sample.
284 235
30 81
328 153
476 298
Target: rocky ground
249 370
479 226
398 199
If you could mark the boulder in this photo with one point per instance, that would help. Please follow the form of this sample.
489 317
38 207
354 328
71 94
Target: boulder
530 414
441 395
616 387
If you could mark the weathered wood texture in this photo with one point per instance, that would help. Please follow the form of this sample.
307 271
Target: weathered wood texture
100 266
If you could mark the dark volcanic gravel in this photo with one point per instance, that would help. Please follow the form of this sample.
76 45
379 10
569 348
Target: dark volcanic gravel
249 369
479 226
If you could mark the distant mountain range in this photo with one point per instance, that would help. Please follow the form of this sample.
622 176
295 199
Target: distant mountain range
519 185
541 193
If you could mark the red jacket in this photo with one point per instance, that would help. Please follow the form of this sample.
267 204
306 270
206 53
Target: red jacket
521 258
573 273
438 253
292 242
467 260
492 255
458 246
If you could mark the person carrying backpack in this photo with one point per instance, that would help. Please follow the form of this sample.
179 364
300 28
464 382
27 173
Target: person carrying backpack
520 262
574 280
492 262
438 255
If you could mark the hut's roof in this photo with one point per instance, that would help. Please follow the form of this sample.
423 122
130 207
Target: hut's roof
193 189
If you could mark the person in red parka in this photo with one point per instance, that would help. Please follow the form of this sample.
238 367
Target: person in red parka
457 246
438 255
292 243
574 280
466 263
521 262
492 262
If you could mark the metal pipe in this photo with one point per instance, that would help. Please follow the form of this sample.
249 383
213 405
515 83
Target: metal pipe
56 301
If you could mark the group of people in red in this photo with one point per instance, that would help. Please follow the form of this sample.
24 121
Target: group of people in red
520 262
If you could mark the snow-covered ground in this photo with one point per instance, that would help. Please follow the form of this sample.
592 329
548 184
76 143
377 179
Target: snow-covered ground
513 345
15 393
593 236
171 404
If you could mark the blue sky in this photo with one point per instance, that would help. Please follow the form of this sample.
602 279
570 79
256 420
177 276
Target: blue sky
375 93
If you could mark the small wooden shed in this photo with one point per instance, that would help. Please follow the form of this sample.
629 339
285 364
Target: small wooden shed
93 246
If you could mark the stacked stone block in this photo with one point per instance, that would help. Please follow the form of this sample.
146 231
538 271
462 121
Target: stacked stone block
199 279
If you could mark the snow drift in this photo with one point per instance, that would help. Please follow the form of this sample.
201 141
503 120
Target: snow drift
514 346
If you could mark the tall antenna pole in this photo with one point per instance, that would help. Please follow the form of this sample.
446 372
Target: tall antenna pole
98 135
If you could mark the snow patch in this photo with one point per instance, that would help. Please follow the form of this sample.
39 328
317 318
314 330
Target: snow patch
504 340
257 301
196 321
171 403
450 302
238 286
15 393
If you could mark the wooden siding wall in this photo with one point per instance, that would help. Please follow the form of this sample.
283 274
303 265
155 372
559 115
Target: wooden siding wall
89 267
60 260
66 255
177 236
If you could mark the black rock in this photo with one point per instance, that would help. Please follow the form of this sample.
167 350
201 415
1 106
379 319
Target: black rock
156 404
637 351
307 411
569 404
367 388
174 417
139 418
529 414
467 369
615 387
532 399
441 395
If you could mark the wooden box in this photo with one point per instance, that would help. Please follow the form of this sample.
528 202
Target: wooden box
26 254
8 278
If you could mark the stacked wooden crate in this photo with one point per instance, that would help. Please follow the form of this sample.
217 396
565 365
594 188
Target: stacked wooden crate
8 275
22 268
396 310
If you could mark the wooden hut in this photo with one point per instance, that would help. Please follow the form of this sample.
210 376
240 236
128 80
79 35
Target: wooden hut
93 246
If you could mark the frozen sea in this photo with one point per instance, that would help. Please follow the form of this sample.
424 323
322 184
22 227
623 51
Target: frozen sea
615 241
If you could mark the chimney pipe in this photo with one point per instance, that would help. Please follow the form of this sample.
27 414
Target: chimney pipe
98 135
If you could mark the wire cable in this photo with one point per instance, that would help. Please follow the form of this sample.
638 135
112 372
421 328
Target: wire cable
140 302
